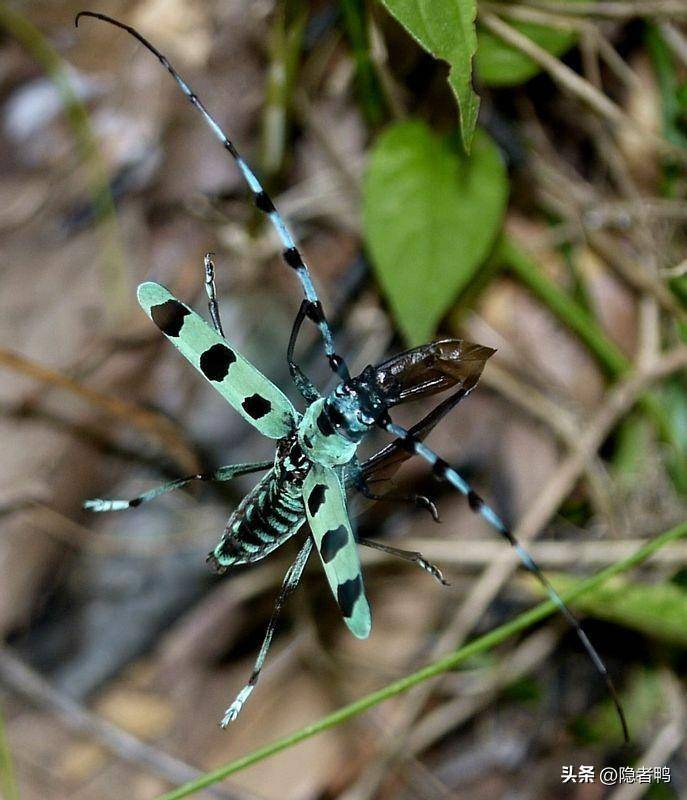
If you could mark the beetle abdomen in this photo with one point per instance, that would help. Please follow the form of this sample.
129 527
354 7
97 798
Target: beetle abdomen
266 517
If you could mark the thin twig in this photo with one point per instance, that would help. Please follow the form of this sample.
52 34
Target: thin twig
625 212
561 73
615 61
589 50
523 13
574 83
549 554
675 39
574 316
678 271
614 9
568 196
563 422
644 281
147 421
15 674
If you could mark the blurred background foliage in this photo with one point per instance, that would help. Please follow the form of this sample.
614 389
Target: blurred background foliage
508 172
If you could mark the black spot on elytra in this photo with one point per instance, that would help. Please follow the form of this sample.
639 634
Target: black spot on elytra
293 258
263 202
316 498
169 316
347 594
215 362
256 406
324 424
333 541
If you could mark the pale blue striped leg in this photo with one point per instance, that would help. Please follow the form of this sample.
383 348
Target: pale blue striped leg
222 474
290 253
445 472
407 555
291 580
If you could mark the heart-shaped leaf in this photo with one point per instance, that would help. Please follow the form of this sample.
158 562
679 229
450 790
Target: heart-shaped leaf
446 29
430 217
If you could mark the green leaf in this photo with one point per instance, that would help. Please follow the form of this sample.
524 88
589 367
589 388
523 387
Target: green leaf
430 217
500 64
446 29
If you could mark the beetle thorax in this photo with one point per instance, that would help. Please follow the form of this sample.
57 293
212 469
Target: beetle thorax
333 426
320 440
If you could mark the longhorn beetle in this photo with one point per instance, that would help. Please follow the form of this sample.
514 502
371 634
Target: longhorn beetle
316 461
